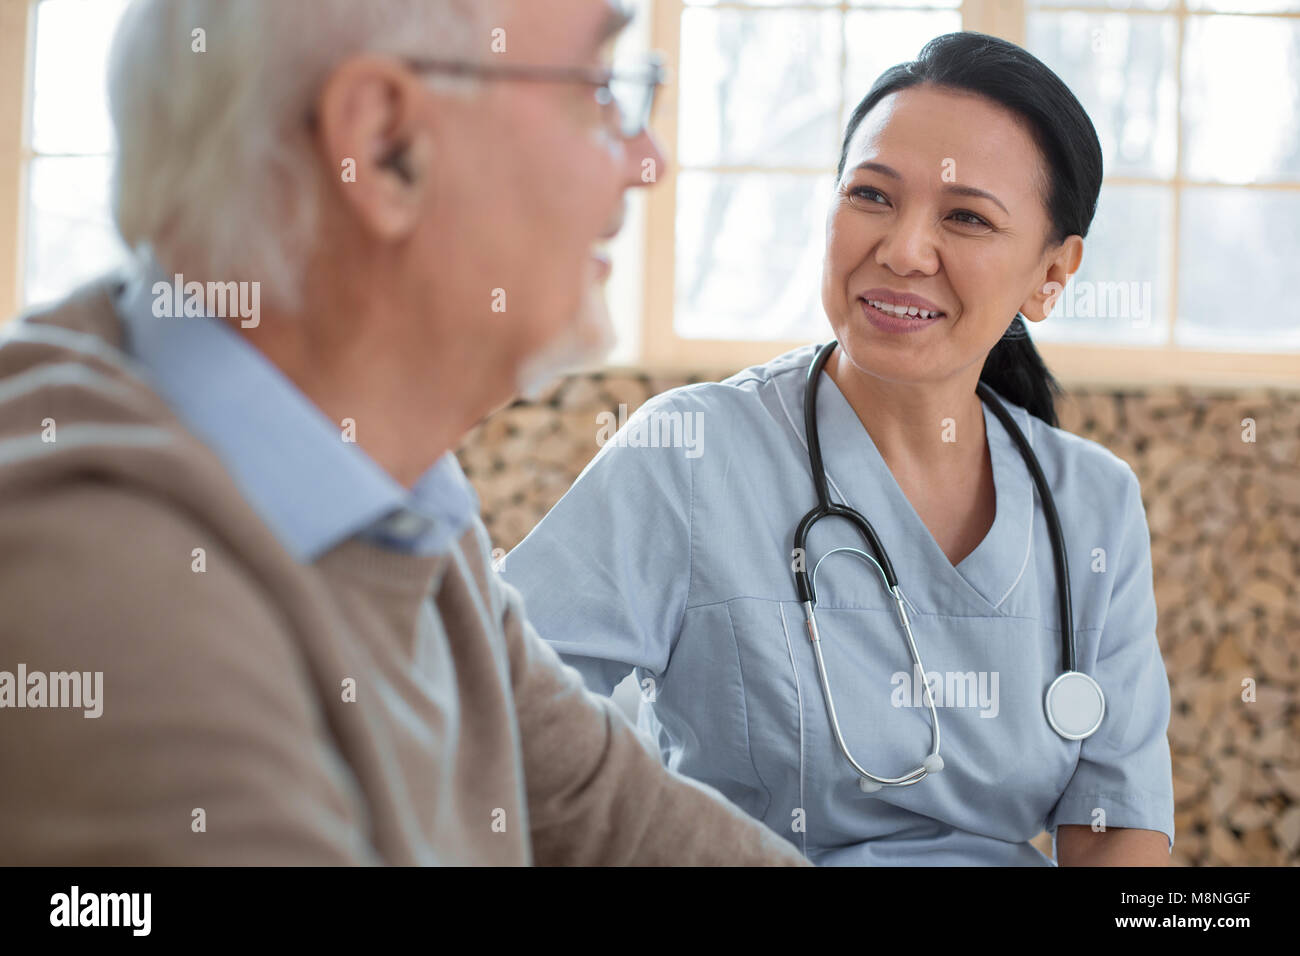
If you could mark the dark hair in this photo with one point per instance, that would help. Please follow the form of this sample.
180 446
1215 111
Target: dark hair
1020 82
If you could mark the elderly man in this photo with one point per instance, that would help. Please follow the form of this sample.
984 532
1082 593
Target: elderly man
227 496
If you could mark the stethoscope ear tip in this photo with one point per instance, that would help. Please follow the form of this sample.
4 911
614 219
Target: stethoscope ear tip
867 786
932 763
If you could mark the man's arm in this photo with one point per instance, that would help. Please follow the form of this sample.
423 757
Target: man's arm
211 746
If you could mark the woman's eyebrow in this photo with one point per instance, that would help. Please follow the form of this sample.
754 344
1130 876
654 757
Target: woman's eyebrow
955 188
960 190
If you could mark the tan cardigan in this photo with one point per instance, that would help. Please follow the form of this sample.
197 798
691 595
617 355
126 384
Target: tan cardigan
372 707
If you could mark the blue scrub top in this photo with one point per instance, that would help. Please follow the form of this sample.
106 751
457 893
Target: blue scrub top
675 563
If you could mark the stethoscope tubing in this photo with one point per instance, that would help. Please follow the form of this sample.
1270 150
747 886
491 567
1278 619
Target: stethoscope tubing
806 584
1053 523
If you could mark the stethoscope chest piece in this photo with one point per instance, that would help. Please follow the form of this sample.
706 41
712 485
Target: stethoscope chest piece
1075 705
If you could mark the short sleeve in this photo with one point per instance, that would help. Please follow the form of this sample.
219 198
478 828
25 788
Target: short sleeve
606 573
1125 768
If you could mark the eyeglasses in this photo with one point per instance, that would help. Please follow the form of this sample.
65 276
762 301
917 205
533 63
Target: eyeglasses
630 91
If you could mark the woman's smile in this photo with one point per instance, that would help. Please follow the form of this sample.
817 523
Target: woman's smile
886 319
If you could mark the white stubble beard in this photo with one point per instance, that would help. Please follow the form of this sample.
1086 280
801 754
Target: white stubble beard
584 341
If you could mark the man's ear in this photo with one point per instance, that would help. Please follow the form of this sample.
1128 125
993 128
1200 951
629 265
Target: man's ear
372 127
1062 263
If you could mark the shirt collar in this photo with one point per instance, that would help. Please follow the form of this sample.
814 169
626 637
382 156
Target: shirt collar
312 488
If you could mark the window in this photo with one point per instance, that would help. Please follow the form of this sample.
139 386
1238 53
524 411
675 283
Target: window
1203 159
1186 266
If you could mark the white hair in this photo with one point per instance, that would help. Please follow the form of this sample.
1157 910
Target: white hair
213 167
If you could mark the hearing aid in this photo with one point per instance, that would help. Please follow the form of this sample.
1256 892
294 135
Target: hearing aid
396 161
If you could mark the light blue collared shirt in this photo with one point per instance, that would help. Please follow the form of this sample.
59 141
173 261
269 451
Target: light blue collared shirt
312 488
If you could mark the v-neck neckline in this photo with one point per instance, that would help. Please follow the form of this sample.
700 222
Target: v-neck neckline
987 574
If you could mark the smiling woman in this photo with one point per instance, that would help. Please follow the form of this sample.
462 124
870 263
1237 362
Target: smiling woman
967 181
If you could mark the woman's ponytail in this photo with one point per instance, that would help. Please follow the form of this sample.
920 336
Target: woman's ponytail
1017 372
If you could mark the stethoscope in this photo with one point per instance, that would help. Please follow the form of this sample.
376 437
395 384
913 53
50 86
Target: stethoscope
1074 702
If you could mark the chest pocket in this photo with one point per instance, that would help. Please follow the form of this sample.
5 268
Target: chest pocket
1004 767
871 675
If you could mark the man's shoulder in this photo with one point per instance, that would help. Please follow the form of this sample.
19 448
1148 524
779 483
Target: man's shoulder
83 535
87 310
107 574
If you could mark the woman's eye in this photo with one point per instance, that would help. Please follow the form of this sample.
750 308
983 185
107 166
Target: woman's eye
865 192
876 197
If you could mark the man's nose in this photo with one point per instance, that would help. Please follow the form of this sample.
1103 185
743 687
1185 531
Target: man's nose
646 162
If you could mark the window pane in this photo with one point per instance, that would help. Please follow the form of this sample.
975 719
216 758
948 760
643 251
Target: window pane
1236 289
70 235
1106 4
826 3
1241 99
759 88
749 255
761 3
1120 295
934 4
879 39
1123 70
70 103
1245 6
